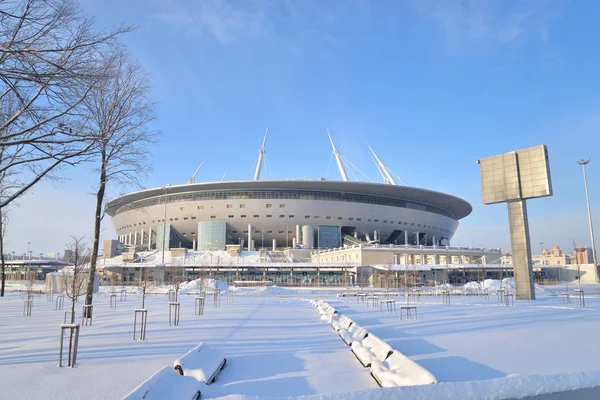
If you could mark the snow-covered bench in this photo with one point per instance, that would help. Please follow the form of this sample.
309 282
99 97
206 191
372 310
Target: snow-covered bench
399 370
371 348
342 323
167 384
354 332
202 362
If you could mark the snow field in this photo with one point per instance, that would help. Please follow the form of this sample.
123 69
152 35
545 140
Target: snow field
277 347
274 347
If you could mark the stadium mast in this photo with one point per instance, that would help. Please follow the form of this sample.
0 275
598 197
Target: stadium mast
261 154
193 178
383 170
338 159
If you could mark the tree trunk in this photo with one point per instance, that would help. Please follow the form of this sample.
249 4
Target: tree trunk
98 219
2 266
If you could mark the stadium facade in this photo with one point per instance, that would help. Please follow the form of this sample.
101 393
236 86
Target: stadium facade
286 213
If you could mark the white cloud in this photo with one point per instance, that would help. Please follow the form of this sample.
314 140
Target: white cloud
226 21
480 23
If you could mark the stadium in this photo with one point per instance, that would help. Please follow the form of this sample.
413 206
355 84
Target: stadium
308 214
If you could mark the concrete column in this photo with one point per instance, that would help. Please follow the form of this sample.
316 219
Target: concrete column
293 242
298 234
149 238
405 238
250 246
433 243
194 244
318 276
129 239
274 245
417 238
135 238
521 249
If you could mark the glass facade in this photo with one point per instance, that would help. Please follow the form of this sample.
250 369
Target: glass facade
329 236
211 235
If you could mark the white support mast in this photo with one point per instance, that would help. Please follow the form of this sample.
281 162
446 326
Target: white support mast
383 170
338 159
261 154
193 178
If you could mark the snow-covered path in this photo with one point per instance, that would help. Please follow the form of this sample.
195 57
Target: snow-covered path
275 347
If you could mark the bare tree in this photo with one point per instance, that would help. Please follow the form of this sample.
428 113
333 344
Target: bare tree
119 112
145 285
75 280
48 65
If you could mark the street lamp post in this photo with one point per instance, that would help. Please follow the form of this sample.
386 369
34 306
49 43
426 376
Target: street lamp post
542 253
166 188
29 262
583 163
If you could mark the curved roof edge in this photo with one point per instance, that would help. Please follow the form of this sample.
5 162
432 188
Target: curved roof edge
457 206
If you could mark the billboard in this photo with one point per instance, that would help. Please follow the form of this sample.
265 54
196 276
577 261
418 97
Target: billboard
517 175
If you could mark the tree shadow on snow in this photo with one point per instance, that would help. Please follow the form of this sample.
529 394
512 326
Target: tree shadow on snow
414 347
262 375
459 369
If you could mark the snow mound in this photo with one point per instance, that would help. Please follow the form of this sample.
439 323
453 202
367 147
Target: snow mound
493 285
207 283
273 290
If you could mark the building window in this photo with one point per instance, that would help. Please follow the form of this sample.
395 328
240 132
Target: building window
351 219
213 216
200 207
307 216
255 216
185 218
256 231
369 220
242 206
269 231
193 217
176 219
385 221
184 234
375 220
229 205
245 231
243 215
339 217
281 216
328 217
233 231
230 216
281 231
292 216
269 215
170 219
193 233
269 205
359 219
316 216
282 206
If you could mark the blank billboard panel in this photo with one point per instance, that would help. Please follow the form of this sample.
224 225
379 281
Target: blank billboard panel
518 175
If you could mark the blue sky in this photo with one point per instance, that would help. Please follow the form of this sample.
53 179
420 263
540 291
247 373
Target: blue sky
431 85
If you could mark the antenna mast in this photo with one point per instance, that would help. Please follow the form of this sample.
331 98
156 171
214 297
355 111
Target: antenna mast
383 170
193 178
261 154
338 159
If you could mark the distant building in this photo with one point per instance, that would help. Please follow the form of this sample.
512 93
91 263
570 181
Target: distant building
582 255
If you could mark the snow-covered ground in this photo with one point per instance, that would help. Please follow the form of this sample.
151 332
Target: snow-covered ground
277 346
